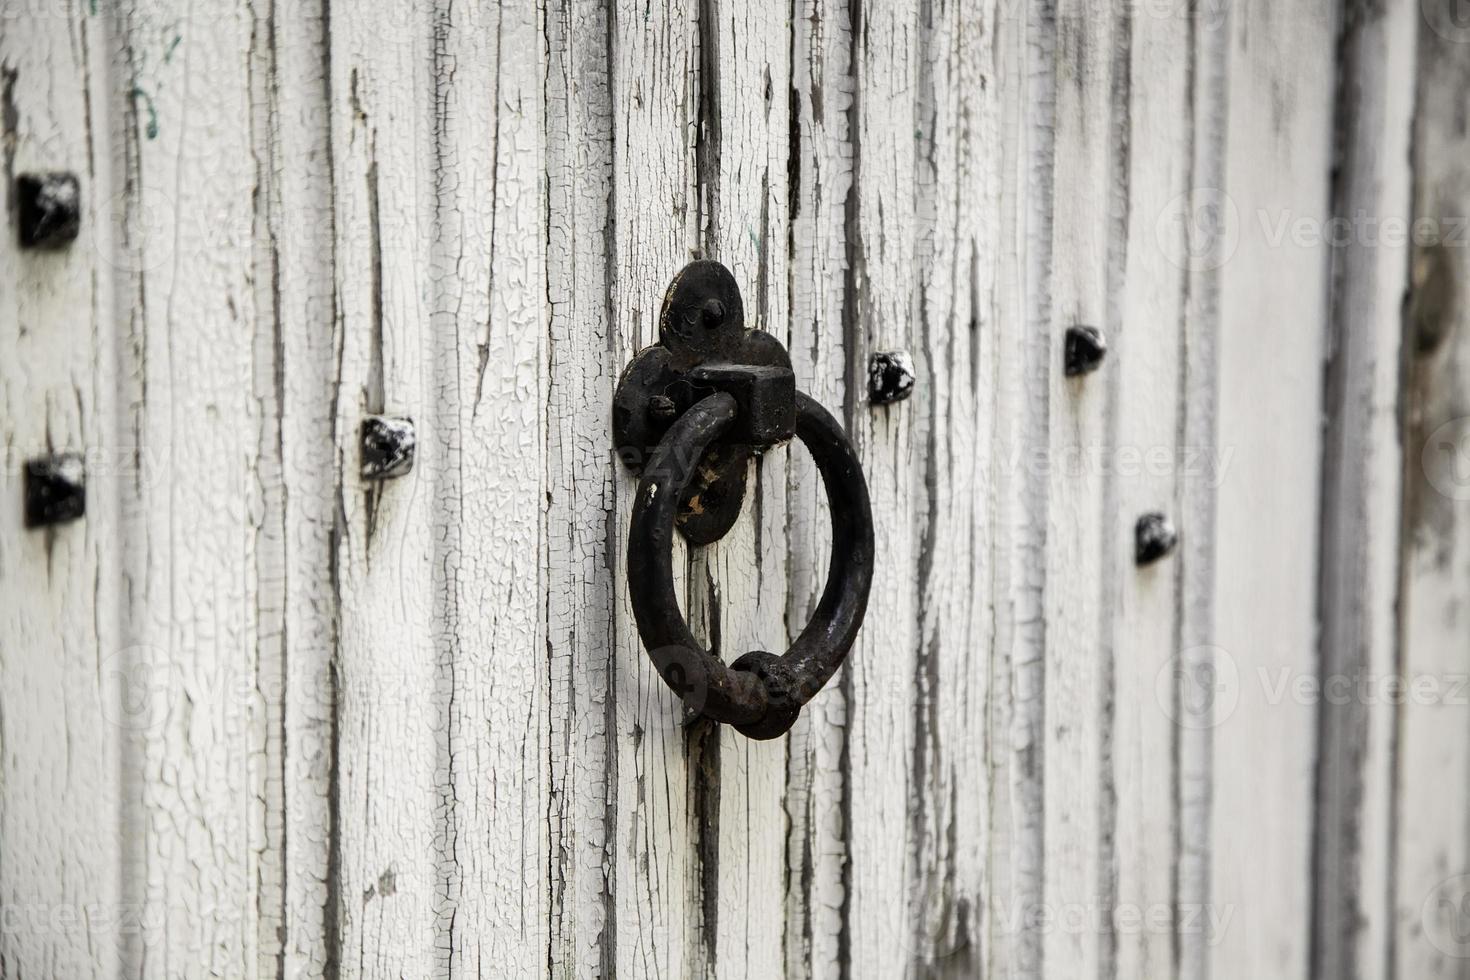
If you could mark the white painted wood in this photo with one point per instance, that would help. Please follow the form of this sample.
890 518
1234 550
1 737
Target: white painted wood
581 553
739 585
1022 361
880 313
1149 470
656 902
815 936
295 373
959 105
409 729
488 267
1431 850
187 183
1272 305
63 656
393 786
1071 288
1361 500
1195 224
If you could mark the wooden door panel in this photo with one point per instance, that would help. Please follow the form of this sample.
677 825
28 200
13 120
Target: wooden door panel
298 721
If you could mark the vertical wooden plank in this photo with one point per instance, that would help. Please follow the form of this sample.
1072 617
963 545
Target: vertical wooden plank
1017 378
182 81
1361 479
881 300
61 683
960 96
1151 119
1072 289
1432 846
739 584
822 92
487 266
655 220
1197 224
392 787
1278 145
583 633
295 374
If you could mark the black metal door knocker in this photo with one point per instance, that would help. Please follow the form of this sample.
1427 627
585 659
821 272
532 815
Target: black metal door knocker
688 414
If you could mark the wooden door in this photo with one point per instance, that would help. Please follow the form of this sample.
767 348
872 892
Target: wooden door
263 716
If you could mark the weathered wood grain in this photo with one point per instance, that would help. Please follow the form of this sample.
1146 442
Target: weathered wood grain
1196 225
187 179
880 313
65 666
655 910
822 86
583 632
1021 367
1272 305
393 787
1152 125
959 103
1431 849
487 265
1361 498
1082 45
287 722
738 586
295 375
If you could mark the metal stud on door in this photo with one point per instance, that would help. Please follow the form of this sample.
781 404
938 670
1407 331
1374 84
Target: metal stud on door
688 414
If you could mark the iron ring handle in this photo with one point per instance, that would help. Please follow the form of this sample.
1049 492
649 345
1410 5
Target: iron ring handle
760 694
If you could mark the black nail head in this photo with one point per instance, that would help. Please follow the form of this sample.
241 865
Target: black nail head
1153 538
890 377
50 209
387 447
56 489
1086 348
662 407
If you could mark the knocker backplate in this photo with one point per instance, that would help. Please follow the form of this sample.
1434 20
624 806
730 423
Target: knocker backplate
704 347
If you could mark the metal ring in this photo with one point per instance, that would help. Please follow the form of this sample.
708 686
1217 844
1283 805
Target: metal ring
760 694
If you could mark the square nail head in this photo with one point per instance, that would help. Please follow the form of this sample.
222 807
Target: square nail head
55 489
890 377
388 446
50 209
